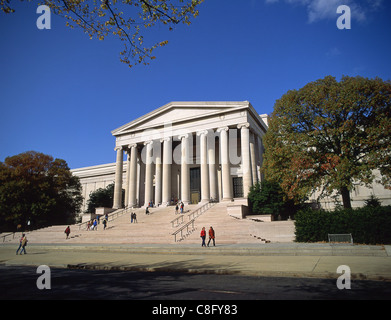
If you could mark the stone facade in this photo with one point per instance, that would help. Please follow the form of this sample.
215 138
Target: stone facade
189 151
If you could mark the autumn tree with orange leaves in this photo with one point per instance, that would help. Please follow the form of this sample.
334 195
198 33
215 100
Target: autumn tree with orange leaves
330 135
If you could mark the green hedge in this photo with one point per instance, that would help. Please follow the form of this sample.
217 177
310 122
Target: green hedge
367 225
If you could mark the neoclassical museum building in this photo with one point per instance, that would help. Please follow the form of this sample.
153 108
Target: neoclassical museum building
190 151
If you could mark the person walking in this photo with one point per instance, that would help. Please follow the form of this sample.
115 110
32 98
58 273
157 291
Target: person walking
212 236
104 224
203 236
67 232
22 244
134 217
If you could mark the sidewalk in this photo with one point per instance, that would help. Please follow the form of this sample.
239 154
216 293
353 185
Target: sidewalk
277 259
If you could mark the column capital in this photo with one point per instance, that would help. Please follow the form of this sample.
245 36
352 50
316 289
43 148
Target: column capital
168 139
119 148
202 132
129 147
243 125
148 142
183 135
222 129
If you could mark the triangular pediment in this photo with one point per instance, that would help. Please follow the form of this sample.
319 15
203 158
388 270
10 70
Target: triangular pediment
177 112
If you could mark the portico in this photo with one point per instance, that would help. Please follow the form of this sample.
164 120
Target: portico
189 151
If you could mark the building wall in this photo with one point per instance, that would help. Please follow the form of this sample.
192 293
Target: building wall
358 195
93 178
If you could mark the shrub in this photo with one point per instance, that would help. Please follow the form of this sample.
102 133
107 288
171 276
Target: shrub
266 198
368 225
372 201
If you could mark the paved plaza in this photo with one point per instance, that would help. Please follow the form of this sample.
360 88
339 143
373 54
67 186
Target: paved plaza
282 260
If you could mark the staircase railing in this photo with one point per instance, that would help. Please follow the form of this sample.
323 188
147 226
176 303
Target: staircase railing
181 230
192 216
112 216
9 235
196 213
177 222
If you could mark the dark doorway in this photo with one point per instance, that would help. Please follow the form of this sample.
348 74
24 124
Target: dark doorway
238 187
195 185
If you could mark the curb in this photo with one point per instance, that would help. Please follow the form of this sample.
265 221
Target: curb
313 275
262 250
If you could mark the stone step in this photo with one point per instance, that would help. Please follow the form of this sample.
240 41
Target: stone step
157 228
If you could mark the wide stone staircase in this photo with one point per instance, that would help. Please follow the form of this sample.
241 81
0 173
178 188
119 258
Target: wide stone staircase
156 228
230 230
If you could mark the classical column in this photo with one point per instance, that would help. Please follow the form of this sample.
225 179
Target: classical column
132 194
167 162
148 173
158 173
127 151
259 150
185 170
117 201
205 194
246 161
253 157
225 165
212 166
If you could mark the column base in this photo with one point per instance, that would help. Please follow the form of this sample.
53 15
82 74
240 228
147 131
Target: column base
165 204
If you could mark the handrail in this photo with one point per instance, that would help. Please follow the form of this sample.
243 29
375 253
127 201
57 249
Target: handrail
200 211
9 234
176 220
186 226
112 215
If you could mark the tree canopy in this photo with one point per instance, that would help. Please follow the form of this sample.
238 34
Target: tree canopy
124 19
330 135
266 198
36 188
102 197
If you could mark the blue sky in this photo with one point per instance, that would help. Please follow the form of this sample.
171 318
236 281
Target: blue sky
62 94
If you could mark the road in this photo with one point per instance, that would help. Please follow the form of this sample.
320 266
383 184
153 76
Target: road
21 283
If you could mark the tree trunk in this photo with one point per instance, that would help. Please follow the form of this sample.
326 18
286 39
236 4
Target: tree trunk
346 198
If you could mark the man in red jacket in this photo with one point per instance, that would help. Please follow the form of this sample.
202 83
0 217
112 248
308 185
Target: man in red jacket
211 236
203 236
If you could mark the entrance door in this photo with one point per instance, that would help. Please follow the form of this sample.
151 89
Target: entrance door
195 197
238 187
195 185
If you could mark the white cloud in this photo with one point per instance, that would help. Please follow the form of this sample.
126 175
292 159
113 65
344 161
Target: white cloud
326 9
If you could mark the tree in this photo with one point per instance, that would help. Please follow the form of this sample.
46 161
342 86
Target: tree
36 188
126 19
330 135
102 197
267 198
